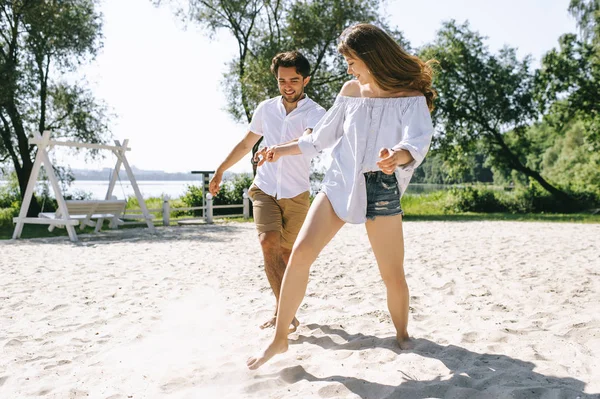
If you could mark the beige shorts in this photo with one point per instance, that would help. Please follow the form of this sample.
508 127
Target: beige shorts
285 215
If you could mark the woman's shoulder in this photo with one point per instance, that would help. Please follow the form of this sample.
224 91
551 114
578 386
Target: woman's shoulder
351 89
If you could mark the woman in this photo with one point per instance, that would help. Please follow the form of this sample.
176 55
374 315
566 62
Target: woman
380 130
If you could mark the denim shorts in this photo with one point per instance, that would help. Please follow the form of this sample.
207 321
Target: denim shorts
383 196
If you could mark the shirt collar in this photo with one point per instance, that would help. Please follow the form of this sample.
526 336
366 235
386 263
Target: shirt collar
300 103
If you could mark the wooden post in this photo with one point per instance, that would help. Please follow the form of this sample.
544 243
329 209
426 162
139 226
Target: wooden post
166 209
246 203
209 208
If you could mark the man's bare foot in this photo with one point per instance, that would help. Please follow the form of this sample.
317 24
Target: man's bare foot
294 325
405 342
275 348
271 323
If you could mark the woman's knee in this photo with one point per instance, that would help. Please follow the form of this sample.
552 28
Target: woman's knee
394 278
302 253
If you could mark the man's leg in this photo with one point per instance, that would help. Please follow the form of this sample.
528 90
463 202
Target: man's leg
294 211
268 220
270 243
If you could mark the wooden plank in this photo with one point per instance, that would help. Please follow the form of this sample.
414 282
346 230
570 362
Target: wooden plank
69 222
37 141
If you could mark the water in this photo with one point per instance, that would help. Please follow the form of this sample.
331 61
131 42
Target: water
123 190
175 188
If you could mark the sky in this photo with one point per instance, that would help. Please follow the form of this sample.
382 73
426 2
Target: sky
161 80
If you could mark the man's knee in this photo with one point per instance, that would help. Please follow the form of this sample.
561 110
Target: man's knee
270 241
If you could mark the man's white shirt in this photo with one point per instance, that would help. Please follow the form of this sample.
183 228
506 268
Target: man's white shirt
289 176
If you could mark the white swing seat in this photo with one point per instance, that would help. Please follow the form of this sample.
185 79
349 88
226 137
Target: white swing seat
89 213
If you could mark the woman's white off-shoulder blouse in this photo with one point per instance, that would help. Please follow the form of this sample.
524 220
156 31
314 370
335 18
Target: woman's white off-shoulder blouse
357 128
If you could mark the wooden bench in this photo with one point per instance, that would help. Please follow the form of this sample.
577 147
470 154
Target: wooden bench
86 211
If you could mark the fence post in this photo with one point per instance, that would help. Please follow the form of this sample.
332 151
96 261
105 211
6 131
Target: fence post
246 203
209 208
166 210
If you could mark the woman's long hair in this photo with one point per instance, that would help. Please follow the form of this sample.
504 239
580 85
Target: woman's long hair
392 68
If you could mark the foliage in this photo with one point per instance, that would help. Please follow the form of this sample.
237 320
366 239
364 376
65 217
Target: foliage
473 199
263 28
531 199
231 193
41 43
567 85
481 97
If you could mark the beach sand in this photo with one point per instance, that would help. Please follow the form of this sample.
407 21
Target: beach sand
498 310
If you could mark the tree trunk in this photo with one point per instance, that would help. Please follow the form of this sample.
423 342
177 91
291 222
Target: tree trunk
24 170
516 164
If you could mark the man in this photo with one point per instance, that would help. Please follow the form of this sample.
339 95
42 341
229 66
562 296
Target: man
280 192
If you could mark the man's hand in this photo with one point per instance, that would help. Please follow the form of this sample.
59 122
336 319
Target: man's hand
389 161
215 183
270 154
260 156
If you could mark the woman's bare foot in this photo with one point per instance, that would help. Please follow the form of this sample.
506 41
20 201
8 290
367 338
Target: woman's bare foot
275 348
271 323
405 342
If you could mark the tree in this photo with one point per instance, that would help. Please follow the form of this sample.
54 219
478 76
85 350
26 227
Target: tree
263 28
39 42
481 97
587 14
568 83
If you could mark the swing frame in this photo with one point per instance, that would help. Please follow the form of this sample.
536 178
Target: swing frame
62 217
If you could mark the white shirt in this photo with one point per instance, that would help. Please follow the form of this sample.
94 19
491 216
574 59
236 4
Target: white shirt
289 176
357 128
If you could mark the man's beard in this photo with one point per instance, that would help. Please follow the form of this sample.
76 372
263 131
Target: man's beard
294 99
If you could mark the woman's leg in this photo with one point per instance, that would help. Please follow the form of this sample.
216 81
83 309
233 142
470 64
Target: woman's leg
387 241
320 226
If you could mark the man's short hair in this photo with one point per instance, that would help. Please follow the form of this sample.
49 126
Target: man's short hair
291 59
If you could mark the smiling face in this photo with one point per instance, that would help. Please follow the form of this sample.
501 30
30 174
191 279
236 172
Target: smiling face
358 69
291 84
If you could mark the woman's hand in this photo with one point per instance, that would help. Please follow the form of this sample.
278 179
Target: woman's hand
273 154
389 161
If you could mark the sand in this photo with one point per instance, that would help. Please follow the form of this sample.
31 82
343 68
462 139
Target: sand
498 310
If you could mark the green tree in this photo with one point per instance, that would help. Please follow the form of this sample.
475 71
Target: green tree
481 97
263 28
587 14
39 42
568 83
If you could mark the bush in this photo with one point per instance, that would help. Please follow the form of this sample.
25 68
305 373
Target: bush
6 217
9 194
530 199
231 193
534 199
474 199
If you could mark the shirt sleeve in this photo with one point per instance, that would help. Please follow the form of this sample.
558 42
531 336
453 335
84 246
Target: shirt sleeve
256 123
326 132
417 132
314 117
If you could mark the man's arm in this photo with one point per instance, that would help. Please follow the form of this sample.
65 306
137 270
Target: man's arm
238 152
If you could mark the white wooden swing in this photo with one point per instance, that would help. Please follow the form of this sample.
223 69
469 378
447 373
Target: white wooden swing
73 213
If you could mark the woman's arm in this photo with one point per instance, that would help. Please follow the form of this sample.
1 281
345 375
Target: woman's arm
272 154
391 159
